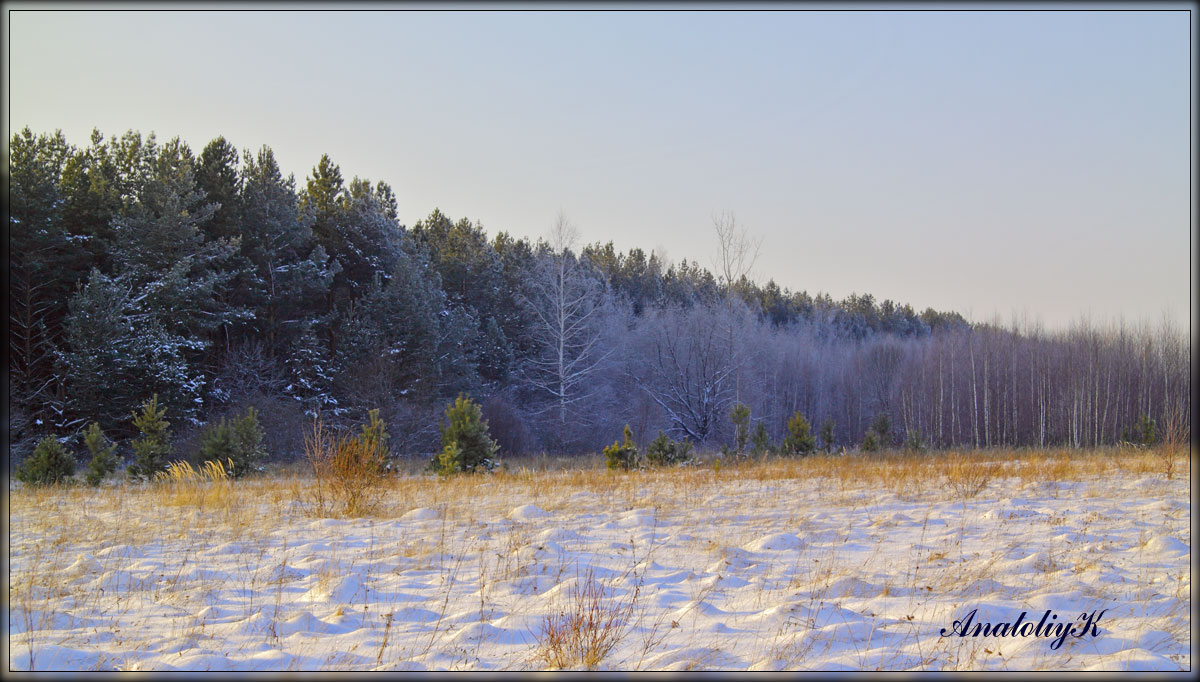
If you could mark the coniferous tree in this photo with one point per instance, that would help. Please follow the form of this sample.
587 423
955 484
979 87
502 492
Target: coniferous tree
152 446
288 284
760 440
44 265
799 440
739 414
623 454
103 461
827 434
466 445
49 464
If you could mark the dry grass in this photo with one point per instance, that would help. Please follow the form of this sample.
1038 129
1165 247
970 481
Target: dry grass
209 487
587 628
348 471
596 617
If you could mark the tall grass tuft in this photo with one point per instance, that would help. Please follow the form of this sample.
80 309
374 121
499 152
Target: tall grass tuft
208 486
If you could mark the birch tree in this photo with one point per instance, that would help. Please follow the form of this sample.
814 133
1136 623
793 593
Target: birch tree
568 306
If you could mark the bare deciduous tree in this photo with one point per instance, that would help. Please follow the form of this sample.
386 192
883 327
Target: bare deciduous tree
568 304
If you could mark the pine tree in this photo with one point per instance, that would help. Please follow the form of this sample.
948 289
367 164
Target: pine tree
662 451
49 464
217 175
235 444
739 414
247 437
375 436
465 441
152 446
103 461
44 265
622 455
827 434
760 440
882 427
870 441
288 283
799 440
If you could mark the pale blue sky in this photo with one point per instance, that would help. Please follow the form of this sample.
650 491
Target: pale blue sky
984 162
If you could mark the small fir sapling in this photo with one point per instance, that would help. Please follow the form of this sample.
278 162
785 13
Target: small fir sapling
374 433
913 441
882 426
236 445
739 414
870 441
104 459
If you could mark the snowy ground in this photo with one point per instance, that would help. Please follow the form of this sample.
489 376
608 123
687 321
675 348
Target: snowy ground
695 570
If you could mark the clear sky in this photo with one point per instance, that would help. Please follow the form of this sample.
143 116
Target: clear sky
1014 162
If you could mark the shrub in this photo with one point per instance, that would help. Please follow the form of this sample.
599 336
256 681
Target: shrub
760 440
585 630
49 464
104 460
740 416
622 455
663 451
350 469
238 442
466 445
152 447
799 440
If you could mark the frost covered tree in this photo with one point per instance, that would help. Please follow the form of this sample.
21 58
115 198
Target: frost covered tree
569 309
685 367
406 341
118 352
473 275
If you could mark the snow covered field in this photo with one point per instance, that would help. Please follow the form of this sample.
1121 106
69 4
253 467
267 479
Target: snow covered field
828 563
